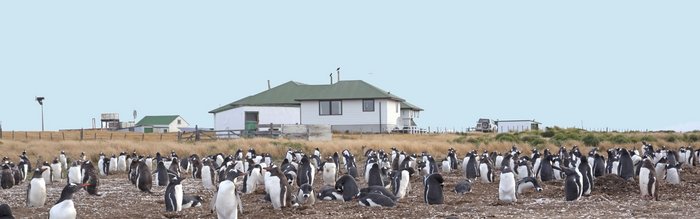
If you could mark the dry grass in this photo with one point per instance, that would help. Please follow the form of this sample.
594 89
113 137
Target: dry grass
436 145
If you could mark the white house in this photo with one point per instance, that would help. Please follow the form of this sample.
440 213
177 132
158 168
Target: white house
352 106
516 125
161 124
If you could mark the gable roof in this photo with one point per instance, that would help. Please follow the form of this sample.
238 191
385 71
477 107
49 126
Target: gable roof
157 120
407 105
290 93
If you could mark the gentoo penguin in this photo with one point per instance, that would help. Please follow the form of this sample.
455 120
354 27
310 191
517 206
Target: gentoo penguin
113 163
63 159
64 207
471 171
36 191
144 180
252 179
647 180
626 166
6 212
173 193
121 162
612 157
190 201
573 187
400 182
486 170
46 174
208 175
556 168
660 168
277 187
523 169
350 164
305 196
185 165
347 186
105 166
25 168
432 191
374 177
446 165
90 179
306 172
74 173
586 175
375 200
329 193
598 165
463 187
175 166
149 162
379 190
330 172
16 173
197 166
161 174
506 186
7 180
499 161
528 183
56 170
289 171
101 164
546 172
228 207
672 175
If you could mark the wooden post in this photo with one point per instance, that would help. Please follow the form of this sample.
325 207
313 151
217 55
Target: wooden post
143 135
110 136
64 135
196 133
13 134
81 134
26 137
94 136
51 136
40 135
125 136
161 136
179 136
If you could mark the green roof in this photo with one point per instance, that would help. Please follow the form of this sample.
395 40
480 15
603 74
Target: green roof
407 105
157 120
290 93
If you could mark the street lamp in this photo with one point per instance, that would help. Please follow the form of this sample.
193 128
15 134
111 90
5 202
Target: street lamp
41 102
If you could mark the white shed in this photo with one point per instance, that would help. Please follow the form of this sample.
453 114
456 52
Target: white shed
516 125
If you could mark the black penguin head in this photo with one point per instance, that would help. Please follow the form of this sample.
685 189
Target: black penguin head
173 178
69 190
37 173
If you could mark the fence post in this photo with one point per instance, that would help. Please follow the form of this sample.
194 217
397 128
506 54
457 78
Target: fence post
40 135
64 135
143 135
124 136
196 133
51 136
161 136
26 136
179 136
110 136
13 134
81 134
94 136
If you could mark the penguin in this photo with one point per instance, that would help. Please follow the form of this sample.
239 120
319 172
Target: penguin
598 165
306 172
64 207
24 168
173 193
471 170
90 178
463 187
189 201
586 175
105 166
197 166
609 164
175 166
446 165
626 166
121 162
208 175
228 207
144 180
432 189
400 182
74 173
546 171
647 180
133 173
7 180
374 177
16 174
289 171
556 168
36 191
375 200
330 172
101 164
252 179
526 184
347 187
660 168
379 190
672 175
149 162
498 161
277 187
486 170
524 169
161 174
506 186
46 172
350 166
113 163
56 170
573 184
185 165
6 212
305 196
63 159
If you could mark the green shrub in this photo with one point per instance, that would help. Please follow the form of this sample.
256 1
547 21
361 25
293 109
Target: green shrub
507 137
692 137
591 140
671 138
548 133
648 138
619 139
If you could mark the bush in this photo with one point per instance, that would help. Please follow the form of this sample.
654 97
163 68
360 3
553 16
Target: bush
619 139
591 140
533 140
506 137
548 133
688 138
671 138
648 138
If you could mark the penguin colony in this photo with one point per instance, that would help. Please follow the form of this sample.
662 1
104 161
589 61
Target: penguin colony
388 176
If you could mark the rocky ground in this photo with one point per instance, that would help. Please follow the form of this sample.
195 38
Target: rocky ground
612 197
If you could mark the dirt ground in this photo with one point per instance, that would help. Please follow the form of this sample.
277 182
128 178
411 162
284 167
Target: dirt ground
611 197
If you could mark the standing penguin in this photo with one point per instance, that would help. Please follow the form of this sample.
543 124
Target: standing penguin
598 165
63 159
374 178
626 166
573 187
306 172
56 170
672 175
586 175
647 180
113 163
546 172
105 166
252 179
144 180
660 168
121 162
6 178
227 208
277 187
36 192
471 168
64 207
90 178
208 174
400 182
330 172
524 169
506 186
74 173
46 172
161 174
432 189
486 170
173 193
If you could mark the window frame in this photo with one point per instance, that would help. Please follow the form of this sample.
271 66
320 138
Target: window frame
330 107
363 105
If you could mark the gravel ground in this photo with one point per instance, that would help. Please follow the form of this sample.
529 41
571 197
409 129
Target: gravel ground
611 197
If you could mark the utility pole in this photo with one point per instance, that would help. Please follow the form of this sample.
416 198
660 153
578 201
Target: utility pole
41 102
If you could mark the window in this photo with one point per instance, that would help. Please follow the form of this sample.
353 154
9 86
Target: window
367 105
179 122
332 107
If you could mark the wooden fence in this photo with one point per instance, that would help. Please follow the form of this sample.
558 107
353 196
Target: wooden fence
88 135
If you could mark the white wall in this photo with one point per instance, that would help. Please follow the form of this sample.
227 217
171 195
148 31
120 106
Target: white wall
174 127
514 126
352 113
234 118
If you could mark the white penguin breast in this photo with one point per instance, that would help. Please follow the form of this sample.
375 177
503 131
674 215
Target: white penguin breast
226 207
644 180
63 210
178 197
37 193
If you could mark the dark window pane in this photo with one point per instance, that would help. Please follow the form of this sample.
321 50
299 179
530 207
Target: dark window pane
336 108
368 105
324 107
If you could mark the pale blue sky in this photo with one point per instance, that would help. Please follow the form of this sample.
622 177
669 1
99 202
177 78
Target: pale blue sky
617 64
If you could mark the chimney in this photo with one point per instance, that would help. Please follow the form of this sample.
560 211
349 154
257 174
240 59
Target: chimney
268 84
331 75
338 70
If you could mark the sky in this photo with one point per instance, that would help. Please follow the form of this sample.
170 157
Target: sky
621 65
